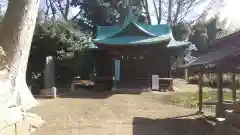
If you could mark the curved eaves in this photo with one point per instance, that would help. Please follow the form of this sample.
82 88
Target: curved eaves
132 29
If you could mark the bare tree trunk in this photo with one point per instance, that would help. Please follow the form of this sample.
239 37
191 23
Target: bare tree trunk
169 20
145 6
179 5
16 37
148 13
158 11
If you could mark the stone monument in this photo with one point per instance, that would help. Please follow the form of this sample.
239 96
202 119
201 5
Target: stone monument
49 72
49 78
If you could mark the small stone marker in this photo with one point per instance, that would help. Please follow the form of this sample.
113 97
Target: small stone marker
155 82
54 92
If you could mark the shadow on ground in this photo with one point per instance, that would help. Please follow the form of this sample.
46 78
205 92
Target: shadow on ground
82 93
171 126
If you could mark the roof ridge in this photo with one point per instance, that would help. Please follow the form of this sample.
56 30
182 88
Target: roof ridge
137 26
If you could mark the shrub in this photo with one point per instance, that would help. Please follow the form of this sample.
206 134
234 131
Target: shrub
59 40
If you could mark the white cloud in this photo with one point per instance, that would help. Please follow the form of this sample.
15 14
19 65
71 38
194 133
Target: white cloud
230 12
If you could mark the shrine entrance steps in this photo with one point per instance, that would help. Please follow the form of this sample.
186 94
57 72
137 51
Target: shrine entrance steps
230 124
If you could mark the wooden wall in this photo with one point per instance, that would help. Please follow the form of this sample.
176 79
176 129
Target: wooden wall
104 65
136 66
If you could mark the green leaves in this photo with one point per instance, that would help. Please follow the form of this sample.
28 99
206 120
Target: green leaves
59 37
181 31
59 40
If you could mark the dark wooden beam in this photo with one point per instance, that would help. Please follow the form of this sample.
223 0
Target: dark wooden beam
234 89
200 92
219 108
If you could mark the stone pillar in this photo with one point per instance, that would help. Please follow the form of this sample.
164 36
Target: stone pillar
49 79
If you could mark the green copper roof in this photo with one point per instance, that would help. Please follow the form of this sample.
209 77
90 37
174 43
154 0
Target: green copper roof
133 40
132 32
153 30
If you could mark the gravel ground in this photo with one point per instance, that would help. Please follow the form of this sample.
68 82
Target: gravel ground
89 113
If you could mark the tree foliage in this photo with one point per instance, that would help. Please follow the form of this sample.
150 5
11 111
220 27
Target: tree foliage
199 36
54 39
95 13
92 13
181 31
206 31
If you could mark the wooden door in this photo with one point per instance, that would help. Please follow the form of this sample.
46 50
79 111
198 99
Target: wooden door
127 70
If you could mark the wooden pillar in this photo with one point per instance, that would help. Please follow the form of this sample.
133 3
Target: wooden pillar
200 92
219 108
234 93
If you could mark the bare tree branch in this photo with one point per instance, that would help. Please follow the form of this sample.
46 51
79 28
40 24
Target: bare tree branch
176 10
165 4
75 17
52 8
156 10
145 6
170 4
187 9
67 8
179 5
204 12
61 9
47 10
160 11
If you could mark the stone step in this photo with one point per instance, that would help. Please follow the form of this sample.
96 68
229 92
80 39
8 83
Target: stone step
233 118
8 130
22 127
232 106
15 122
232 131
226 129
236 107
34 120
32 130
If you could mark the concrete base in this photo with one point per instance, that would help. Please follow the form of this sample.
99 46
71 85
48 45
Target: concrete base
233 118
130 89
226 129
229 125
49 92
19 123
114 89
